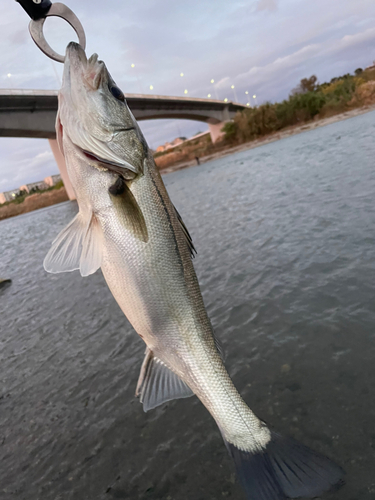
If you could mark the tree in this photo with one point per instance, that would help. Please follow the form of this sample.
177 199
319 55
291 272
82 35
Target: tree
306 85
358 71
230 130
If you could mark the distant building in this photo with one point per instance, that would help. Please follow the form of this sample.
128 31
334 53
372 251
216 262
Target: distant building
52 180
177 141
33 185
8 195
169 145
197 135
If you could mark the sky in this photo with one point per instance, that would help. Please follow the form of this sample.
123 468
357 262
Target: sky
264 47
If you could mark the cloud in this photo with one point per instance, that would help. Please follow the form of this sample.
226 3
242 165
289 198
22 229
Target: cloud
266 5
289 69
42 158
231 42
281 63
27 160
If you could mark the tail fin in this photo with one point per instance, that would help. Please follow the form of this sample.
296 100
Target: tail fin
285 469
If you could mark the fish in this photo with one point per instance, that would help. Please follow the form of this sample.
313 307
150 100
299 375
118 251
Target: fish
128 227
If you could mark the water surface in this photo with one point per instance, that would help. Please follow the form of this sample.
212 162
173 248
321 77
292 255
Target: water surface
286 252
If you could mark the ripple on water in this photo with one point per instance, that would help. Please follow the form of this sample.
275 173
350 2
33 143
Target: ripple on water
285 240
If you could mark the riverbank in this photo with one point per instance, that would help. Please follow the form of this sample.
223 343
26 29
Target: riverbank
275 136
172 161
33 202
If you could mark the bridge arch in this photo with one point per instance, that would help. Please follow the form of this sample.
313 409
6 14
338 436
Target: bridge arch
32 113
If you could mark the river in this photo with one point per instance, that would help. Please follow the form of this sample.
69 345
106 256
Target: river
286 261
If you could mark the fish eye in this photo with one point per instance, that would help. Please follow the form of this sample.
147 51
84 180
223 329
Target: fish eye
116 92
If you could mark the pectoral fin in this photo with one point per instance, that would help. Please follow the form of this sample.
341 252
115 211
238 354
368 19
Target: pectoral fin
78 246
92 251
59 133
128 209
157 384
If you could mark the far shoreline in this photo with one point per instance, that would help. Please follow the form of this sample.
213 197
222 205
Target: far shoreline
273 137
33 202
46 199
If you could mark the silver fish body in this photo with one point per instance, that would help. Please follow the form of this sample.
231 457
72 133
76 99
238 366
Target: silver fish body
128 226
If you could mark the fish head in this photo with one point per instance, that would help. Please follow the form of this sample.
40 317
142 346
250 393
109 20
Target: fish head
94 115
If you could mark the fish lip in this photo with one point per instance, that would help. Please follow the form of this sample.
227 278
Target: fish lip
74 51
111 166
91 70
118 130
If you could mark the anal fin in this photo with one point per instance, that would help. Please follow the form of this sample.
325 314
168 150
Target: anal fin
157 384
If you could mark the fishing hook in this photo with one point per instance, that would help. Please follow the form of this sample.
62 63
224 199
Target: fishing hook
39 10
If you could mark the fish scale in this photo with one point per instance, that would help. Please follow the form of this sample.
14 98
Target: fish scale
128 227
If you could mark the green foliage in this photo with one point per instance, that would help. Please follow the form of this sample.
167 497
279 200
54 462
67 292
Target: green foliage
368 74
230 130
299 108
252 123
307 101
306 85
341 90
58 185
20 197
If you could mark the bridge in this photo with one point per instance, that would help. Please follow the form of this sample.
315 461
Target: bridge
32 113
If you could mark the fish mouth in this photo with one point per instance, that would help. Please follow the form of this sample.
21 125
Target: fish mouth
111 165
75 51
126 170
90 71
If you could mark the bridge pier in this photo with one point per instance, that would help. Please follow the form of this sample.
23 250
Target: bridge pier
215 130
60 160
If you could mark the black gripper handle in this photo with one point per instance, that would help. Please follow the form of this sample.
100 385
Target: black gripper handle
37 9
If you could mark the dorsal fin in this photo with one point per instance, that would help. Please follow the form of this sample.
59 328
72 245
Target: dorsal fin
219 347
189 240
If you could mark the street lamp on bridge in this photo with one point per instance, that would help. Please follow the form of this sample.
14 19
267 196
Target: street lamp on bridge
9 75
213 82
234 92
138 80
